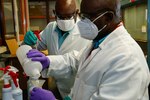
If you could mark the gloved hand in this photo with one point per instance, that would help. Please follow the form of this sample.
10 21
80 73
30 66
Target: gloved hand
30 38
67 98
36 55
41 94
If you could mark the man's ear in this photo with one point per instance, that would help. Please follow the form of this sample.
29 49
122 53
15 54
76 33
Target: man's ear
54 12
76 14
109 16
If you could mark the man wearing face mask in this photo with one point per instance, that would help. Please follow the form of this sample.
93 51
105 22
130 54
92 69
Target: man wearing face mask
113 67
60 37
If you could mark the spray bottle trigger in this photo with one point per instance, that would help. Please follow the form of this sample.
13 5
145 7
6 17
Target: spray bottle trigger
14 77
6 69
13 69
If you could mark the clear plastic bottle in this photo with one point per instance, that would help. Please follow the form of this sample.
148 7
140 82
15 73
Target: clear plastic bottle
31 68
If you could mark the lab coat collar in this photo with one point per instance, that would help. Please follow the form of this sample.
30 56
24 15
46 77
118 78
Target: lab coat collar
85 54
88 56
86 60
115 34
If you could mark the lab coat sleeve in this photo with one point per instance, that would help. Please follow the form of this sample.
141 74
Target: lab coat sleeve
62 66
42 44
123 80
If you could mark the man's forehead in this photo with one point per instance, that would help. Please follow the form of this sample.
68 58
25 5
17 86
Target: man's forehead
90 7
65 12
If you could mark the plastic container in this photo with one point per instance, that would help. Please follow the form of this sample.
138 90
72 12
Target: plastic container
7 91
31 68
16 91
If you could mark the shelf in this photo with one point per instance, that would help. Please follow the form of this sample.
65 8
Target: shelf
3 49
41 17
41 0
37 17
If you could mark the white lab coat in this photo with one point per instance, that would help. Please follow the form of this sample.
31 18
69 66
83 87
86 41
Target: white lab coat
49 40
117 70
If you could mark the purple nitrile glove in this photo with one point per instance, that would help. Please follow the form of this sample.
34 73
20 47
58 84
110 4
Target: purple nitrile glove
41 94
36 55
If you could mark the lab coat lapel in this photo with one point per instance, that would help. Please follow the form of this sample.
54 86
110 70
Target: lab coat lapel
66 42
84 55
72 35
54 38
88 57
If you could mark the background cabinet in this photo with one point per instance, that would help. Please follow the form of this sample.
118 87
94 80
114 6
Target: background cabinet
41 13
6 20
12 19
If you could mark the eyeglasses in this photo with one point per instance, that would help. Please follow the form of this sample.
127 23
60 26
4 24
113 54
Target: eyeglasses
93 16
65 17
83 16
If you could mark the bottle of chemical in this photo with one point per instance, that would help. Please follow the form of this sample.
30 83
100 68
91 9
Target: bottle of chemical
11 92
7 90
31 68
16 91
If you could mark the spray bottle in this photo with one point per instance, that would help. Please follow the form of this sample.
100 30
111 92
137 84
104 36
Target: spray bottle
8 91
16 91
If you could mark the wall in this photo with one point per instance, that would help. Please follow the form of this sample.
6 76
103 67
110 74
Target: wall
135 20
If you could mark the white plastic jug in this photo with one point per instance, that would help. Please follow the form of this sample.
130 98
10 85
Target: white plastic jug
31 68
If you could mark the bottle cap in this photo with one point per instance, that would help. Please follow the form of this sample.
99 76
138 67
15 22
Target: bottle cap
36 74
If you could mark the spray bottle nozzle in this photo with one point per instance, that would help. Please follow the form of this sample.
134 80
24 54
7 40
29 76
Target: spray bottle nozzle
9 68
14 77
6 69
10 71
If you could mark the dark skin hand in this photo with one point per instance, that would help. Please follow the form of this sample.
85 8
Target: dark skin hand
96 8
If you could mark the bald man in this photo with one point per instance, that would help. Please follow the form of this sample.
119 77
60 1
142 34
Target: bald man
60 37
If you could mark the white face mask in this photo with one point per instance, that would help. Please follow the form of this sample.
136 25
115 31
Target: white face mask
66 25
88 29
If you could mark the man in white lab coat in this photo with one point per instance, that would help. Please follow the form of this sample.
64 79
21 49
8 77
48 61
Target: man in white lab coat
113 67
60 37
